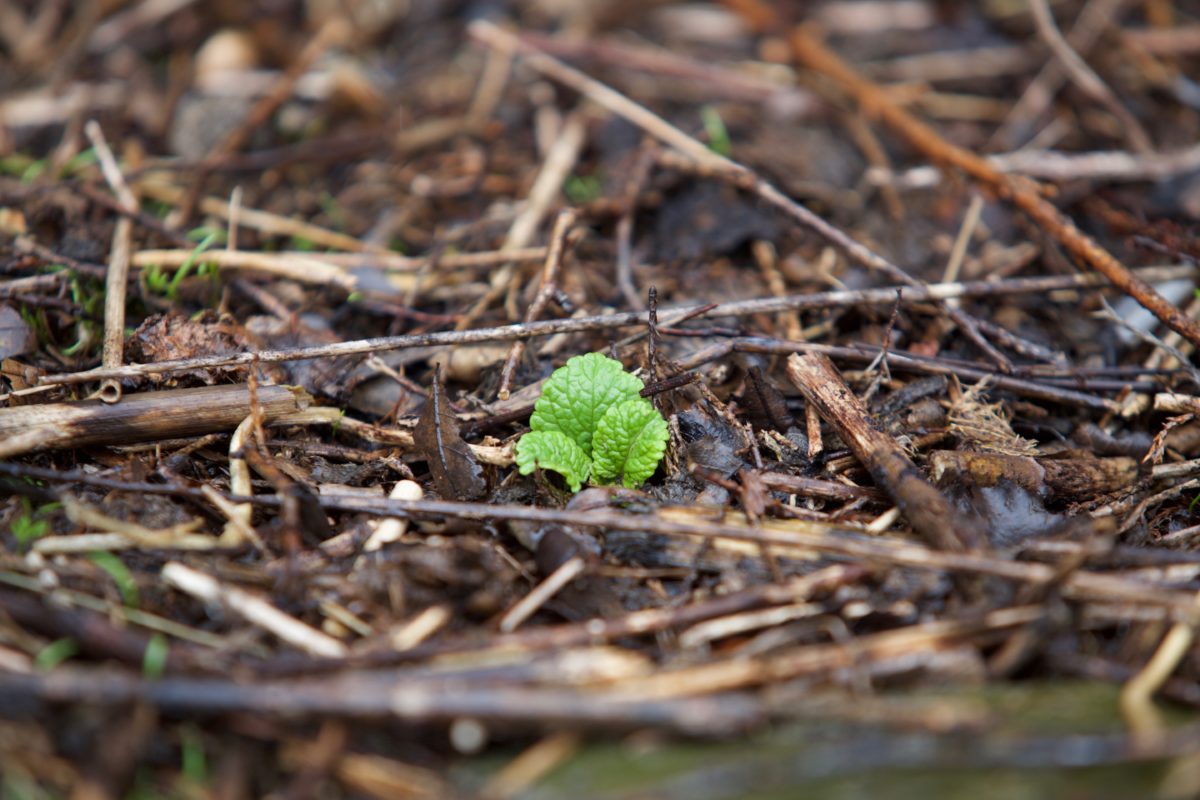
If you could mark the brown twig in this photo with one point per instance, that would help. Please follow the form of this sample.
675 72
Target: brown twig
901 362
717 165
811 52
554 259
329 35
1040 92
116 281
928 511
142 417
639 175
884 296
547 187
719 82
1086 78
253 609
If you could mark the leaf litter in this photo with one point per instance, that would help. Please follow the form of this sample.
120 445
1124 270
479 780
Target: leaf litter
915 461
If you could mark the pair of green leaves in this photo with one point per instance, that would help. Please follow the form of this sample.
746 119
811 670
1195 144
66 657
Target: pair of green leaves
591 423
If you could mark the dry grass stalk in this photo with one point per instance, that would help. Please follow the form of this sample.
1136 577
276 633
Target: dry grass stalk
253 609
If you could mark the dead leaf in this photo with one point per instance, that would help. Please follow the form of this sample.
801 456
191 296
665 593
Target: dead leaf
456 473
765 404
753 494
166 337
16 337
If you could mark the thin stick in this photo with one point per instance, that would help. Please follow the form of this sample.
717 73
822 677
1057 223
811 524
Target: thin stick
801 535
784 535
256 219
1041 90
883 296
639 175
518 776
961 242
720 166
549 284
908 363
654 620
719 81
117 278
546 188
528 605
295 263
302 267
1136 693
813 53
609 98
333 31
1054 165
1086 78
254 610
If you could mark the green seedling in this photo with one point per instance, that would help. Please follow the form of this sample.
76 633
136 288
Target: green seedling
582 189
592 424
715 130
31 524
154 659
20 165
89 296
159 282
120 575
79 162
54 654
194 762
333 210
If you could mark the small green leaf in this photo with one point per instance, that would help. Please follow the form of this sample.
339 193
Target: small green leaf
630 441
579 393
120 574
154 659
54 654
172 290
582 189
553 450
714 128
194 763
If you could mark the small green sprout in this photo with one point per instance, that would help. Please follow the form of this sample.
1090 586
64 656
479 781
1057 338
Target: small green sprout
591 422
120 575
158 282
582 189
154 659
718 134
31 524
54 654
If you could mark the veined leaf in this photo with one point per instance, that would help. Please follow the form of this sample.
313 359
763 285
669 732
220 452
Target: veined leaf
455 471
630 441
553 450
579 393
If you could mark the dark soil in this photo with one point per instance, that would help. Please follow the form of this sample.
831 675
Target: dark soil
891 519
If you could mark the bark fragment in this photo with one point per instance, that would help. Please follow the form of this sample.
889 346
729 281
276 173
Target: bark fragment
923 506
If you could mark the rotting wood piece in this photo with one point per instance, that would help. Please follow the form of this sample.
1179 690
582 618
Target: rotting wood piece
922 505
144 417
1053 478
